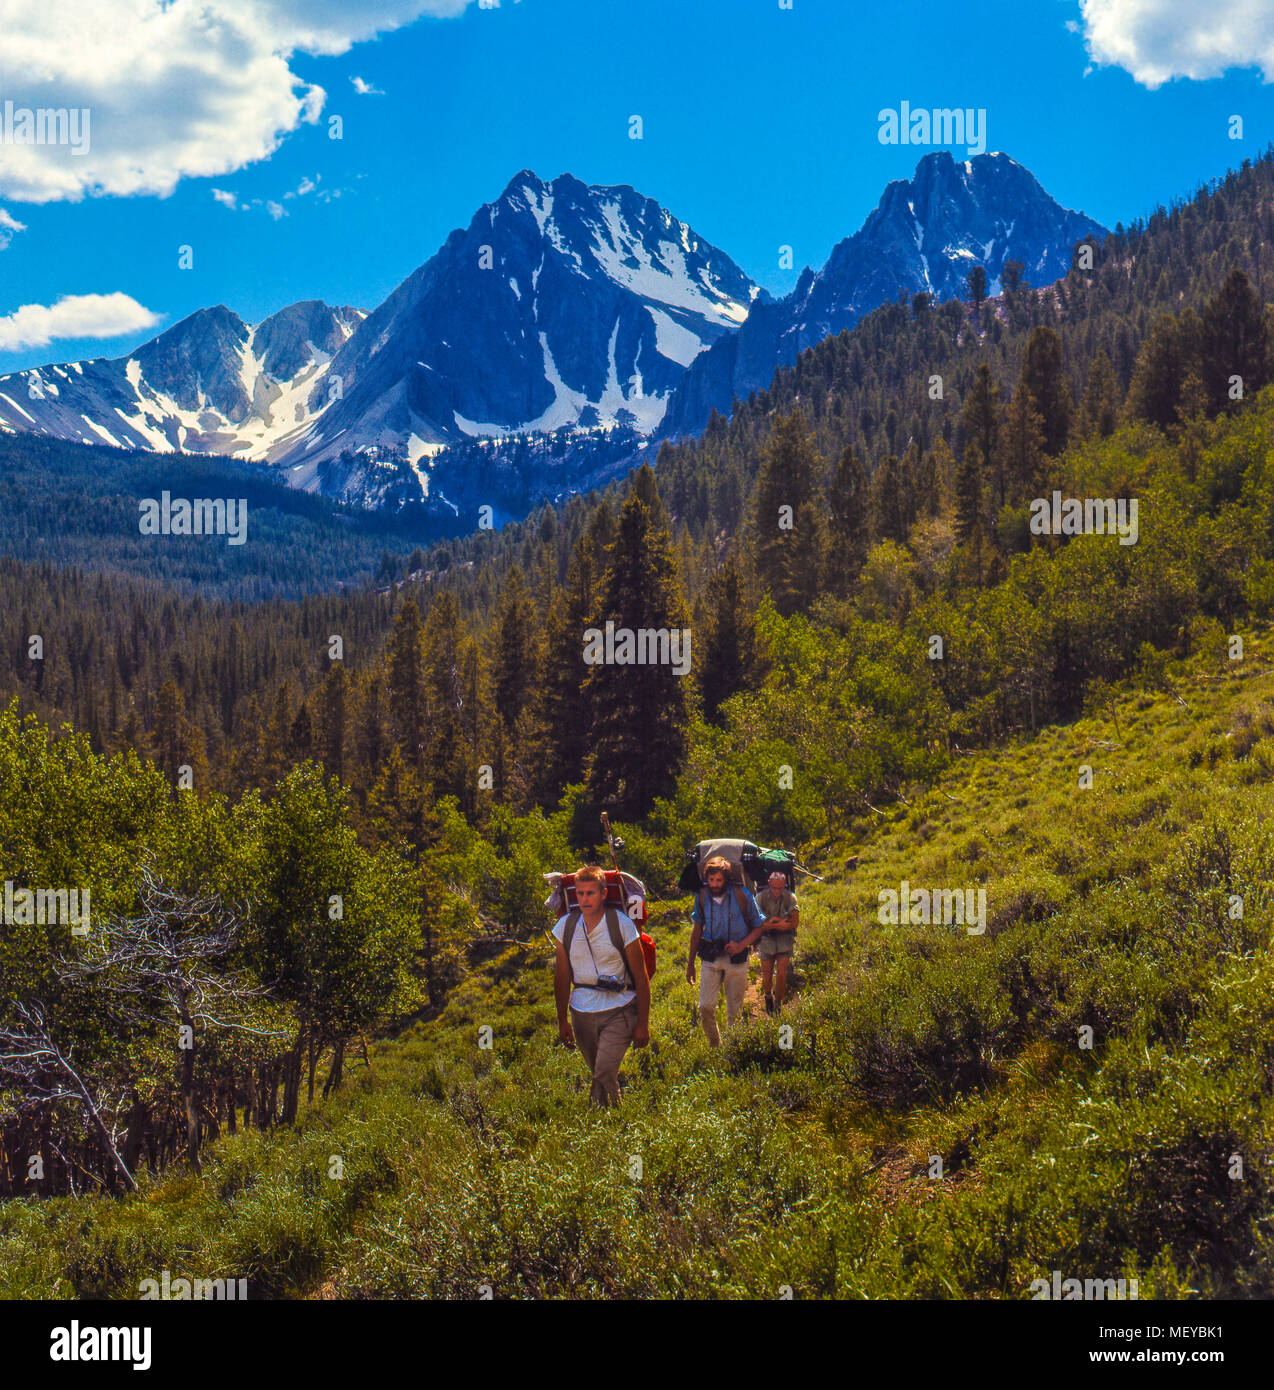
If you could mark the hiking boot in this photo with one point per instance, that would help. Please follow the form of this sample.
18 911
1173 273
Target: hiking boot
770 1006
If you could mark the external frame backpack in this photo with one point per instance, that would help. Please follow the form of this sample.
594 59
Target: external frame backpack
611 914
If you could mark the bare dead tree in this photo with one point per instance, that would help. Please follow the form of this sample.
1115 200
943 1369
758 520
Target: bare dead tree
159 967
33 1065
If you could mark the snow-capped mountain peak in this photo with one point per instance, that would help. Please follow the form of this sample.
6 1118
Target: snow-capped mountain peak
209 384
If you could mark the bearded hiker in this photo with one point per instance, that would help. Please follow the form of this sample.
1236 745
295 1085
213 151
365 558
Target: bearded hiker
601 973
726 923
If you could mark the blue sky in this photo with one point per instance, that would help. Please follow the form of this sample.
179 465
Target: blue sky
760 129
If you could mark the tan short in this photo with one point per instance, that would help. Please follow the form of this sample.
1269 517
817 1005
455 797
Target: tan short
776 943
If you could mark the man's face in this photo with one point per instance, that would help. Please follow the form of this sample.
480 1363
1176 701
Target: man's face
589 895
778 882
716 880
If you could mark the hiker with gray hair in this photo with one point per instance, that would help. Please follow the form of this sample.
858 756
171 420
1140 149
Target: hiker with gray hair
782 915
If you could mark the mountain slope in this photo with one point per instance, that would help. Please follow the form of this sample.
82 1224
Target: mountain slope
211 384
1036 1153
560 305
925 235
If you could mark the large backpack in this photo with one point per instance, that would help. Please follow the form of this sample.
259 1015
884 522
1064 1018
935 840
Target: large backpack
748 863
623 891
617 940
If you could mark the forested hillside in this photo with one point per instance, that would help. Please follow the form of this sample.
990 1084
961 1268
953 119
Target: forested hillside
812 1165
894 672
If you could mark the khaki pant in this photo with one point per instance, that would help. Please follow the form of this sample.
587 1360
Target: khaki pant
603 1038
712 975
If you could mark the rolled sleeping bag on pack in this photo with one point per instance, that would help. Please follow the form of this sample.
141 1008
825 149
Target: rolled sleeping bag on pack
737 853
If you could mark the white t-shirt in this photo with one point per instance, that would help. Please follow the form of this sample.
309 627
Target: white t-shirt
608 962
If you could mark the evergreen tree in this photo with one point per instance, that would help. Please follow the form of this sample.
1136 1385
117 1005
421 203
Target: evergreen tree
1043 376
446 760
301 734
563 708
847 506
1099 408
333 719
1157 377
981 423
975 284
175 741
405 683
1023 447
370 734
514 650
729 642
888 505
640 712
645 486
1235 342
788 529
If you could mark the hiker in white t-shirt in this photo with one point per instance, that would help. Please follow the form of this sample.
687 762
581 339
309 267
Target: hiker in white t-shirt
608 990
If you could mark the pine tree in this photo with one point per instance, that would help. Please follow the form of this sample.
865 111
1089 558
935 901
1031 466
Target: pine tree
476 726
276 758
1235 342
788 529
640 712
175 741
646 487
729 642
847 506
563 707
333 720
1099 408
1157 376
981 421
888 505
369 738
514 652
1043 376
301 734
406 683
969 493
446 761
975 283
1023 447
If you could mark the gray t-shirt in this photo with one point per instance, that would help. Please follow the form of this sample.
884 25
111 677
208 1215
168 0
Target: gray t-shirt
780 904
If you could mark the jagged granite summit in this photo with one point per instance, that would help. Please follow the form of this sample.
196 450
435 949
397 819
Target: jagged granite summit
924 235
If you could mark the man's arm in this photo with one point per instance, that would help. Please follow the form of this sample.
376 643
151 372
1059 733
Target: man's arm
641 981
697 920
695 934
562 995
758 925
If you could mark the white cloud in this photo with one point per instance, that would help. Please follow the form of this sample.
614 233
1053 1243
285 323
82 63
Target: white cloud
175 88
8 225
74 316
227 200
1157 40
276 210
365 89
